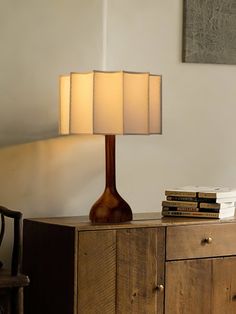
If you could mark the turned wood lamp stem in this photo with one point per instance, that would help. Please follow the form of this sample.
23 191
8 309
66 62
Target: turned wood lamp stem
110 207
110 143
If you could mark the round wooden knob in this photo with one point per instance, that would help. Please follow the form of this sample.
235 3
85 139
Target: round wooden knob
208 240
234 298
160 288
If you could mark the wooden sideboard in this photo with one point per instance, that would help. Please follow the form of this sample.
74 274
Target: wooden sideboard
150 265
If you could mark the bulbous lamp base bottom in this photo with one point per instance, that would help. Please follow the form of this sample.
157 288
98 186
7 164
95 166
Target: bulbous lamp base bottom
110 208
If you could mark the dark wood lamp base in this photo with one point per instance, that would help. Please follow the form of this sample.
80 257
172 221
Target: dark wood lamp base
110 207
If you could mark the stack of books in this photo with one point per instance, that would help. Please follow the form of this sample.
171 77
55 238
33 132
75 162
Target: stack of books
197 201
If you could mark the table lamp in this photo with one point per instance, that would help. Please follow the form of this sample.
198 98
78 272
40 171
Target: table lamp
110 103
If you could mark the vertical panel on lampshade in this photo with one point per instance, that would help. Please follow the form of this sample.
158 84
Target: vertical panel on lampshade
81 103
64 108
136 103
108 102
155 113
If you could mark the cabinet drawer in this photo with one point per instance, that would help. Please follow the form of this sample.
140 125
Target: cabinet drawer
197 241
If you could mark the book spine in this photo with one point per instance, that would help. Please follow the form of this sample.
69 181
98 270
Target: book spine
181 193
207 195
190 214
210 205
217 205
186 209
191 209
179 204
217 195
191 199
182 198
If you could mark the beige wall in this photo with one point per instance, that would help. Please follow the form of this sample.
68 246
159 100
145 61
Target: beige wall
199 105
40 40
64 176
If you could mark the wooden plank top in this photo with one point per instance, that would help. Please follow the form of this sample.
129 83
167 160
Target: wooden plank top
153 219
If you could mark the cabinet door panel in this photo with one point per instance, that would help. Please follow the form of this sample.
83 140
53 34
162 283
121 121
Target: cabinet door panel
201 286
224 285
97 272
140 268
188 287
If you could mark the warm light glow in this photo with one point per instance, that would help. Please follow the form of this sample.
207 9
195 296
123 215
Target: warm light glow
81 110
136 103
64 104
155 104
110 103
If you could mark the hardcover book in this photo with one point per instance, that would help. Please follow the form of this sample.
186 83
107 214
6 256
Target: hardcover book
190 209
216 205
180 204
209 192
204 200
221 214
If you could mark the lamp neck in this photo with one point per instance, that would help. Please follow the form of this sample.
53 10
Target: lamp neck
110 144
110 207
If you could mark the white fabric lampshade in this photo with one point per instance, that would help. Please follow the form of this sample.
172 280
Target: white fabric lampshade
110 103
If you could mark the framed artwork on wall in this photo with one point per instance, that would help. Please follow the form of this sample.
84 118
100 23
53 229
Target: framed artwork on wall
209 31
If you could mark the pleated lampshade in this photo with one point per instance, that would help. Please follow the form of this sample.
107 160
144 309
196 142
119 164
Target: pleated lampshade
110 103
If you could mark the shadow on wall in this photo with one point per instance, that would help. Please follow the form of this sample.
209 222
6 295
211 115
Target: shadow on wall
53 177
49 177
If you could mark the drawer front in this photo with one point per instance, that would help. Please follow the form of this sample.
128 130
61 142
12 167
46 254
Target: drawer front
197 241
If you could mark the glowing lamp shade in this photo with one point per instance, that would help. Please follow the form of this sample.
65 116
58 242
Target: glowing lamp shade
110 103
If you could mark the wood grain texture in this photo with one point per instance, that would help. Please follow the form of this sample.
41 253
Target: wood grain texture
224 285
141 220
49 260
137 257
115 270
110 207
201 286
160 261
97 272
188 287
188 241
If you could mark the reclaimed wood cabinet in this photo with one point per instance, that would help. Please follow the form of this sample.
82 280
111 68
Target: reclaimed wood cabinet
150 265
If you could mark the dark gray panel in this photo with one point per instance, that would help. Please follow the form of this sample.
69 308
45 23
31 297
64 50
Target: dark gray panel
209 31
